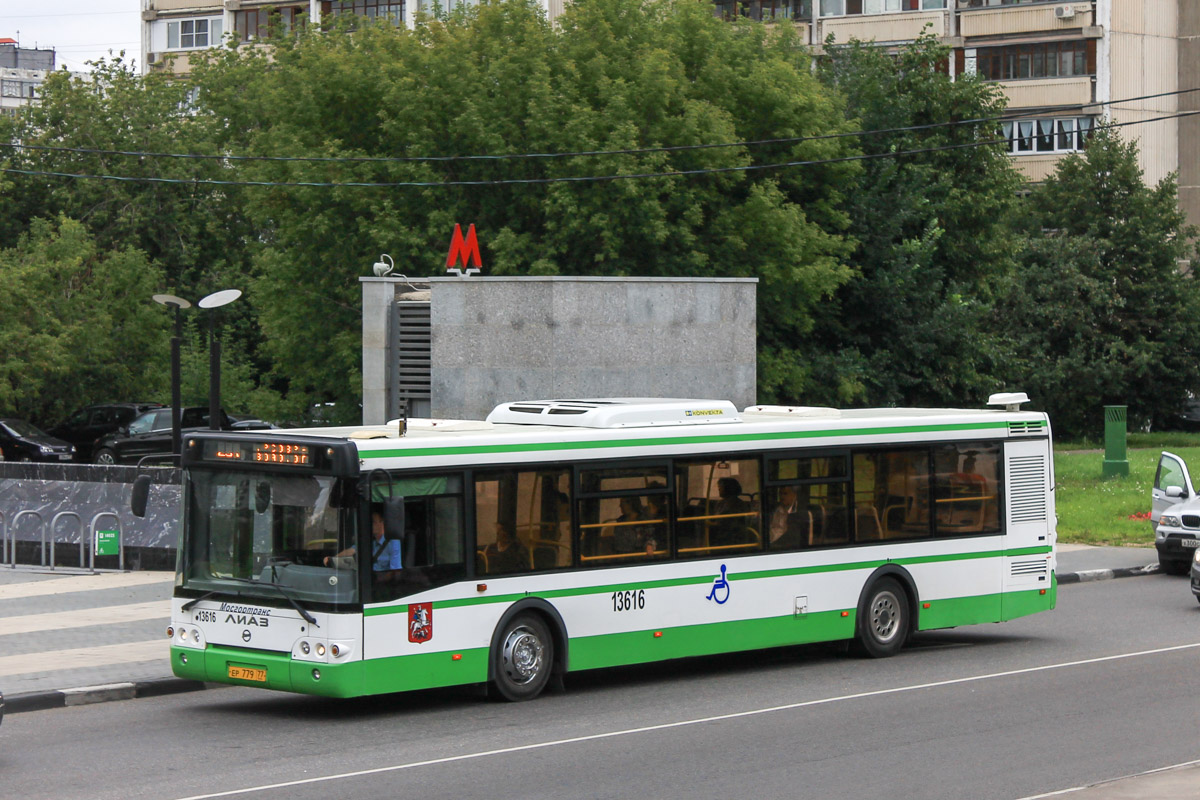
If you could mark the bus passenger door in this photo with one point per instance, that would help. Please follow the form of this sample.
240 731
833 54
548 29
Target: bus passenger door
1029 521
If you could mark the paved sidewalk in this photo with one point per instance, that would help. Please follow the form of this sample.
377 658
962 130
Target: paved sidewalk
68 638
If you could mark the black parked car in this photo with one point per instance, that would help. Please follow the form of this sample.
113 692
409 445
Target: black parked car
20 441
86 425
150 435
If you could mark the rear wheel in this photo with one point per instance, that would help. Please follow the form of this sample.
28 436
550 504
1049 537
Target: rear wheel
523 658
106 456
883 620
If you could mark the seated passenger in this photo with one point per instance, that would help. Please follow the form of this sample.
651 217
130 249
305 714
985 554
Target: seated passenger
789 525
506 554
629 538
731 529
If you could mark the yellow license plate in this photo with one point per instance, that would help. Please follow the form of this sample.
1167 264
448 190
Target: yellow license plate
248 674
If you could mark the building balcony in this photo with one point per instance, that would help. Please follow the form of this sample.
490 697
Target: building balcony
902 26
190 6
1033 18
1046 92
1037 167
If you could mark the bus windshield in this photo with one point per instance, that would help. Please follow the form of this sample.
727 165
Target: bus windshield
268 535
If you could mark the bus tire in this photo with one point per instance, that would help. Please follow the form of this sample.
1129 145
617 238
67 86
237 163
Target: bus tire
883 620
523 658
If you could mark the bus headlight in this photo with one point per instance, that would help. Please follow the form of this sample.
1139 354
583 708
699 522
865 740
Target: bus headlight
320 649
304 648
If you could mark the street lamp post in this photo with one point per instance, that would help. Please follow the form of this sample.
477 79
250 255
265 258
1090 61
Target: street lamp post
214 300
179 304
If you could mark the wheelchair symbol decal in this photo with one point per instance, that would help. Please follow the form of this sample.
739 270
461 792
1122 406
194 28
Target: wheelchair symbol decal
719 585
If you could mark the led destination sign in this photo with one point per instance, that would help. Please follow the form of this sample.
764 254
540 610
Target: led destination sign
298 455
287 454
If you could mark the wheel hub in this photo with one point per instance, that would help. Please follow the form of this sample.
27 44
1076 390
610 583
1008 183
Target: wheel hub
884 616
523 654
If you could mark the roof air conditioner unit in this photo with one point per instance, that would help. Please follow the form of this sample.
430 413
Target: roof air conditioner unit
1064 12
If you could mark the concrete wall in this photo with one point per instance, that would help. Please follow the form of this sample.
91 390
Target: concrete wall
496 339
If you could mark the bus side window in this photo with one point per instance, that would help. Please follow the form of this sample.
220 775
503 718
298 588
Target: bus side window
522 520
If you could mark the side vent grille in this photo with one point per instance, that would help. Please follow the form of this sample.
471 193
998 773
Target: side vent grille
1027 568
1027 476
1031 428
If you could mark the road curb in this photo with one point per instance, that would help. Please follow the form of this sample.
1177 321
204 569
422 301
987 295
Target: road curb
1087 575
86 695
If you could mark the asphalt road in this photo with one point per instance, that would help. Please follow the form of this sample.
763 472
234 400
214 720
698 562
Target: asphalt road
1098 689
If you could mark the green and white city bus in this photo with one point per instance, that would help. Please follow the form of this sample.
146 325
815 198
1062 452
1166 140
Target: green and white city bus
569 535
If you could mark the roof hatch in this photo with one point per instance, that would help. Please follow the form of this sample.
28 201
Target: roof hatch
615 412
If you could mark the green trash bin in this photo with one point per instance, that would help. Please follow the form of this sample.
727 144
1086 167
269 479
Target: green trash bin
1115 460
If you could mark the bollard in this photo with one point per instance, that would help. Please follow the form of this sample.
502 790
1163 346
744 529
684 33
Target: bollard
1115 462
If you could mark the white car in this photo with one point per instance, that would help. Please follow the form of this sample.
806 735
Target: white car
1175 515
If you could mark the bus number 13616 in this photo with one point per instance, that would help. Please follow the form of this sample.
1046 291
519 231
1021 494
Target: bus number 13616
629 601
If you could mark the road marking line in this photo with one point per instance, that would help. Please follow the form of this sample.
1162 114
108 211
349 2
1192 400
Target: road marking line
84 657
84 583
61 620
687 723
1148 772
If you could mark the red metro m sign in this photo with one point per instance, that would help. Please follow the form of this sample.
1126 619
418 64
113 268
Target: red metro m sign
464 250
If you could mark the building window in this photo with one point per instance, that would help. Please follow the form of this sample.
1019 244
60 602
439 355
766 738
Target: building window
189 34
1047 135
766 10
1042 60
838 8
986 3
263 22
375 9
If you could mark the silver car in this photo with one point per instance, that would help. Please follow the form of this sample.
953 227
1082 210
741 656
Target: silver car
1175 515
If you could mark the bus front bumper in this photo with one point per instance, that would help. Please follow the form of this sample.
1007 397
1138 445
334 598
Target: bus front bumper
267 670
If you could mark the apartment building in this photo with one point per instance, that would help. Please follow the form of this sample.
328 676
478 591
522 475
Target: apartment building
22 72
1066 64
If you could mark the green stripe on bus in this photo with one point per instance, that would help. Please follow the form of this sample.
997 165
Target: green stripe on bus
531 447
456 667
375 611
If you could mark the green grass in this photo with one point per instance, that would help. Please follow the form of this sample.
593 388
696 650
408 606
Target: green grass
1095 510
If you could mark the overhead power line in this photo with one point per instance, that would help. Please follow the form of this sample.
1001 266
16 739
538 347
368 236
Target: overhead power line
536 181
1024 113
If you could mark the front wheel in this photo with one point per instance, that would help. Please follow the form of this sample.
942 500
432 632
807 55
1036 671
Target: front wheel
106 456
523 658
883 620
1175 567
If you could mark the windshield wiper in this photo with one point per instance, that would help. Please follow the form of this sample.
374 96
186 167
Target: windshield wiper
191 603
309 618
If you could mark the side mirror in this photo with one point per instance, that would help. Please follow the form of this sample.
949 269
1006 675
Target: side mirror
139 495
393 518
1175 491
